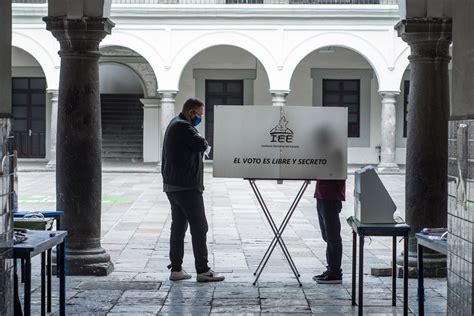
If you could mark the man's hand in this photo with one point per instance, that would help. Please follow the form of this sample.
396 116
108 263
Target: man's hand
207 151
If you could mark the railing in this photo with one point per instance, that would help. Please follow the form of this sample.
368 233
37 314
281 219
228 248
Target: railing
382 2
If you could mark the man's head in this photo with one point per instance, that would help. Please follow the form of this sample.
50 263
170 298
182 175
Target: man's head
193 110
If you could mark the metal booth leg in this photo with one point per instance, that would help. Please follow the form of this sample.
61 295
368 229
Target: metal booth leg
277 231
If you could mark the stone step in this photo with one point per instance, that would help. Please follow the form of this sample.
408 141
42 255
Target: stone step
120 127
118 148
121 137
122 155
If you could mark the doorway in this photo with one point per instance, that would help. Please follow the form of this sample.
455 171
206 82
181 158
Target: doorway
220 92
29 116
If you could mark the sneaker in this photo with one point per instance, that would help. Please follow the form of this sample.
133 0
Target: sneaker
320 276
179 275
330 279
209 276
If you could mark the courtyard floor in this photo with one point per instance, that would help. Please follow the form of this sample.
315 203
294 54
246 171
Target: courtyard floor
135 232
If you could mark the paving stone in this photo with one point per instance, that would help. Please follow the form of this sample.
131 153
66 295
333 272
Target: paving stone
118 285
136 234
186 310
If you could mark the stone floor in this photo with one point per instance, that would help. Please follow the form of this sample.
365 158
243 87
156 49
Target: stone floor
136 226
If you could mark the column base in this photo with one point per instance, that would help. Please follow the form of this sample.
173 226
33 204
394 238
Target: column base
51 165
93 262
434 266
388 168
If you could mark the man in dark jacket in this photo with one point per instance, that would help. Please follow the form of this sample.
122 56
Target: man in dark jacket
182 171
329 195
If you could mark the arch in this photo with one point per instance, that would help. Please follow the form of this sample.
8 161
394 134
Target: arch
400 66
143 70
347 40
124 65
218 38
41 55
140 46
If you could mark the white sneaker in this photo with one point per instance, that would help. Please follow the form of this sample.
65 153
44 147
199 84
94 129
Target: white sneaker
209 276
179 275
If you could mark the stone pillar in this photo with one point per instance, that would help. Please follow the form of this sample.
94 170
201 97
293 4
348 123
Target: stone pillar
53 129
6 218
279 97
151 130
389 119
427 141
167 109
78 160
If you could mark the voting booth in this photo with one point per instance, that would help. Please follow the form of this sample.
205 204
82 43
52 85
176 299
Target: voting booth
280 143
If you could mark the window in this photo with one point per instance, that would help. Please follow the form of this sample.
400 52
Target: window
406 91
334 1
244 1
344 93
220 92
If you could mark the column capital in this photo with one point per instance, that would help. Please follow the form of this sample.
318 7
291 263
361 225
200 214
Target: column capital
167 92
279 97
284 92
389 94
54 94
79 36
150 102
429 38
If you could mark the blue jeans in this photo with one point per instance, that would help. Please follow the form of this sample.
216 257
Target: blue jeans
330 224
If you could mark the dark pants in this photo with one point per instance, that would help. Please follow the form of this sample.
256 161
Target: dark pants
188 207
328 214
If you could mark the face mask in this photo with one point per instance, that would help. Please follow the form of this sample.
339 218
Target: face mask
195 121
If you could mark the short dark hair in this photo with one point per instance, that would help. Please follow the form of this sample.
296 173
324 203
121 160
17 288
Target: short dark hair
191 104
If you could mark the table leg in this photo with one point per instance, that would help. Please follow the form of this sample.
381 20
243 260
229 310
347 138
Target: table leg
394 271
27 278
405 276
62 280
361 274
43 285
420 276
354 266
48 279
17 303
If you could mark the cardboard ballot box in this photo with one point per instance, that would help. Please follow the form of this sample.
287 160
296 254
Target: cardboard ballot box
372 203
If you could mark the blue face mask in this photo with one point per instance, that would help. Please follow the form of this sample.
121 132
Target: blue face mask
195 121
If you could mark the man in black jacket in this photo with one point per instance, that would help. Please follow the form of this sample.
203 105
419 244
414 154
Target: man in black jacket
182 170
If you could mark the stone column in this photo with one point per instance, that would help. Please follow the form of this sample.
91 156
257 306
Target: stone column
279 97
167 109
427 141
53 130
79 162
6 142
151 130
389 119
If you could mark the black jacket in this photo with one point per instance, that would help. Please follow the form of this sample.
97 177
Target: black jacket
183 147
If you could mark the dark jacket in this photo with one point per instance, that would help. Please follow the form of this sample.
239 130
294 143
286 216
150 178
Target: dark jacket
330 190
183 147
